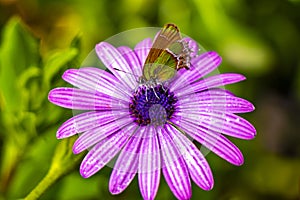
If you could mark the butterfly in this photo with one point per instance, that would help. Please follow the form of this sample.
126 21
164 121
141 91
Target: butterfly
168 54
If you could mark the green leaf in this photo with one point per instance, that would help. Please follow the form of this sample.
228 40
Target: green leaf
76 42
18 51
56 62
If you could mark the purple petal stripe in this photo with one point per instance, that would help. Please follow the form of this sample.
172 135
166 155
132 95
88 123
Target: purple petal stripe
210 82
79 99
200 66
149 165
224 103
93 136
214 141
104 151
218 121
199 169
116 63
127 163
106 81
132 60
216 92
196 98
142 49
87 121
95 79
174 168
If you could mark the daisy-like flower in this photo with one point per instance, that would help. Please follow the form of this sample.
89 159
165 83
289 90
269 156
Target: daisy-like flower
150 129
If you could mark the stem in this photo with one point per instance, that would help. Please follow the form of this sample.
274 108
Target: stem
13 150
63 162
52 176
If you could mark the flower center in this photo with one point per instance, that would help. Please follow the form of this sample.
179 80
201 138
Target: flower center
152 105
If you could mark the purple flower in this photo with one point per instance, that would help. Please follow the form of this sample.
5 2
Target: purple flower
151 128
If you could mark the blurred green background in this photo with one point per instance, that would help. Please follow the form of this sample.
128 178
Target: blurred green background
258 38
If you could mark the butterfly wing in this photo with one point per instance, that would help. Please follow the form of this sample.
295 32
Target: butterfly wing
161 63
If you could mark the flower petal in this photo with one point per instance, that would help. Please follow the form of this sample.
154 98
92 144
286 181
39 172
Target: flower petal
218 121
142 49
199 169
149 165
93 136
210 82
116 63
86 121
132 60
104 151
174 168
95 79
215 92
214 141
200 66
127 163
214 101
79 99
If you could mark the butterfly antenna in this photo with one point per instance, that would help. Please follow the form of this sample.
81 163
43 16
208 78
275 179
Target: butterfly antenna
126 72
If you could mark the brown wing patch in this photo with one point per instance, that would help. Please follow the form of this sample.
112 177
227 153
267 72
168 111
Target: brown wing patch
168 35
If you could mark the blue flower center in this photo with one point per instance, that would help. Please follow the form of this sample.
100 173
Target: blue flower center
152 105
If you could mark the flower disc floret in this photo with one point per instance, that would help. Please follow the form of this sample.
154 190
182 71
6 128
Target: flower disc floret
152 105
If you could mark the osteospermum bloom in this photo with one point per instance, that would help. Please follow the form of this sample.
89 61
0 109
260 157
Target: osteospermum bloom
151 129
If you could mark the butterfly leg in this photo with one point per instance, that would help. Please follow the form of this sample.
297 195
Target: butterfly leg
162 86
146 93
155 93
